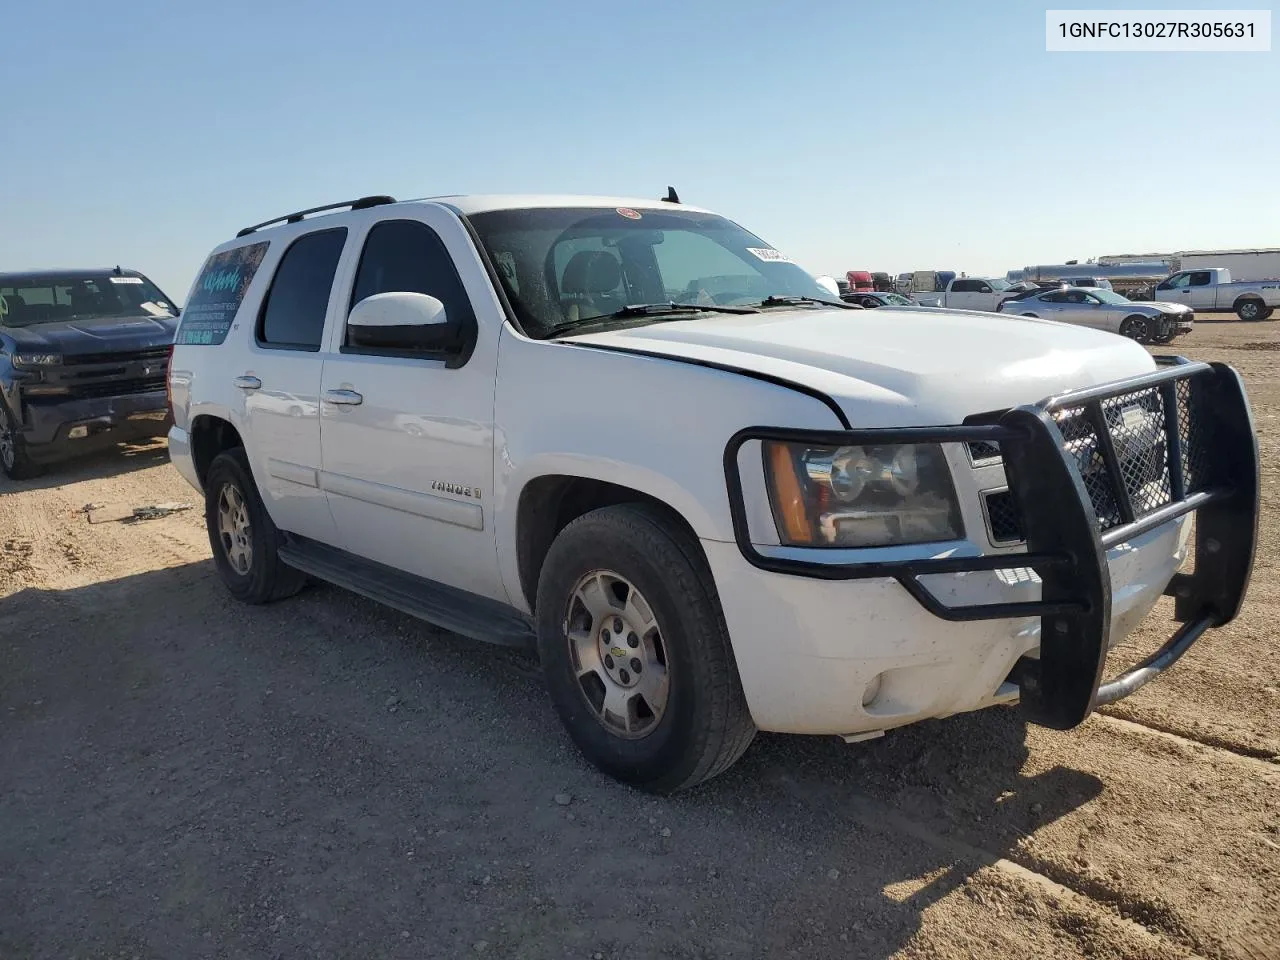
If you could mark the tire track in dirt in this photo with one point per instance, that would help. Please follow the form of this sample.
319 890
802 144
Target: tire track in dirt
1149 922
1134 722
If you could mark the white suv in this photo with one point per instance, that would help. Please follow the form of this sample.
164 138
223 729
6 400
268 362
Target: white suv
638 438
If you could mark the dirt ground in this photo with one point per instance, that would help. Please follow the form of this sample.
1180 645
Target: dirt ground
182 776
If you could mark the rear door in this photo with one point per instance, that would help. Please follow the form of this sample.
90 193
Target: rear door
407 435
281 382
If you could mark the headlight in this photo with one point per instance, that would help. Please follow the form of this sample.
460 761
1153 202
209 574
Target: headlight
36 359
871 496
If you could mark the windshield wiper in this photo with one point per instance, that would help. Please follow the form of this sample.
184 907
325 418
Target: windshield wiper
645 310
788 300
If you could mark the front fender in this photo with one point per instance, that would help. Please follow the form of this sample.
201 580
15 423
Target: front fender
652 424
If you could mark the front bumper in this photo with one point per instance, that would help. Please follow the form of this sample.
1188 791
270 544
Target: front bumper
1176 325
49 427
1058 642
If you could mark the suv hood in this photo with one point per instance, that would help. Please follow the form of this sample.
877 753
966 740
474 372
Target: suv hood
896 366
100 335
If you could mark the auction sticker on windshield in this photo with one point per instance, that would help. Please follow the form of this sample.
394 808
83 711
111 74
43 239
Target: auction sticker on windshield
769 255
628 213
216 298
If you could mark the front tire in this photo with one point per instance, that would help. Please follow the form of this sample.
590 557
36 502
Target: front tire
14 459
242 536
1135 328
628 580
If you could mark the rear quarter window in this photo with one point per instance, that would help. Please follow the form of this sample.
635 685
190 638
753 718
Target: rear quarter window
218 293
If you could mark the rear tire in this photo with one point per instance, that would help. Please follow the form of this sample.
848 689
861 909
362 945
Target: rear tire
1251 310
243 538
1135 327
654 603
14 460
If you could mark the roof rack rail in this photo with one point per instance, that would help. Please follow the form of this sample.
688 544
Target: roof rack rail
362 204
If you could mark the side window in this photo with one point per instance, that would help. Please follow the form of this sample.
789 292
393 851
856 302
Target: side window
961 286
1075 296
407 256
293 314
1176 282
984 287
1053 297
1199 279
218 293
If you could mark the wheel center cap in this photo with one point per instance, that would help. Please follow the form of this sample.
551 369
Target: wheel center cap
621 662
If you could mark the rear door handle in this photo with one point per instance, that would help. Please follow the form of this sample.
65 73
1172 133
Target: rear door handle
247 383
343 397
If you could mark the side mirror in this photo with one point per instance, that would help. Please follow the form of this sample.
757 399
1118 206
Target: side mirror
401 321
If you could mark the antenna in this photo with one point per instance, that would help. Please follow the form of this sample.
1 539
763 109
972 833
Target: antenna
671 196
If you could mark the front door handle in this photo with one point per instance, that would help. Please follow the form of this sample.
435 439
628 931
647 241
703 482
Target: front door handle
247 383
343 397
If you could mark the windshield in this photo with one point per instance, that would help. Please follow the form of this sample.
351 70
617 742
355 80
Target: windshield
998 284
1108 296
564 265
47 298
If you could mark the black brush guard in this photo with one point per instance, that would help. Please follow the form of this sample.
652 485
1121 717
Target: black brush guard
1210 466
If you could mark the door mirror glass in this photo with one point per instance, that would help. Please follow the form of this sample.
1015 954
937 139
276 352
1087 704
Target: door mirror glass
412 322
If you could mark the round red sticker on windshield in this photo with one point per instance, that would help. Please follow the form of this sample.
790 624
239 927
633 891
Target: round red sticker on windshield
628 213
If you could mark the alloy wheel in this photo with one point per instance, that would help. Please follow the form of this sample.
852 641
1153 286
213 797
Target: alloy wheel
234 530
618 654
8 446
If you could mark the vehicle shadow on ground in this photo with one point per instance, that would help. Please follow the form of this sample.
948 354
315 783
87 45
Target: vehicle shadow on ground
325 776
115 460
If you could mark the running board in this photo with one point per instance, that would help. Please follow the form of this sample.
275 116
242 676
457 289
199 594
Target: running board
447 607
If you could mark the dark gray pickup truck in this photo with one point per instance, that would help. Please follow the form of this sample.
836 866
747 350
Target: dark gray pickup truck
83 363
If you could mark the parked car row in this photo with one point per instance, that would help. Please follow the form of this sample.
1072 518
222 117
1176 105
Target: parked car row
1104 310
82 352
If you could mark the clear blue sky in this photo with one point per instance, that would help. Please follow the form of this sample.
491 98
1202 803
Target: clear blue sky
881 136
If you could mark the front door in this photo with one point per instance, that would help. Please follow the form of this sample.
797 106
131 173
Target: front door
1203 293
963 295
407 436
1175 289
1082 309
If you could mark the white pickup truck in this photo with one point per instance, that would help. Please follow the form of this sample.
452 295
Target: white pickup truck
1212 289
969 293
634 437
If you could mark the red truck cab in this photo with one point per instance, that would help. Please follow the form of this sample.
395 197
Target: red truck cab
859 280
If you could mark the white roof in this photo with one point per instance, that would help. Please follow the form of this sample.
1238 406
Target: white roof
465 204
482 203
